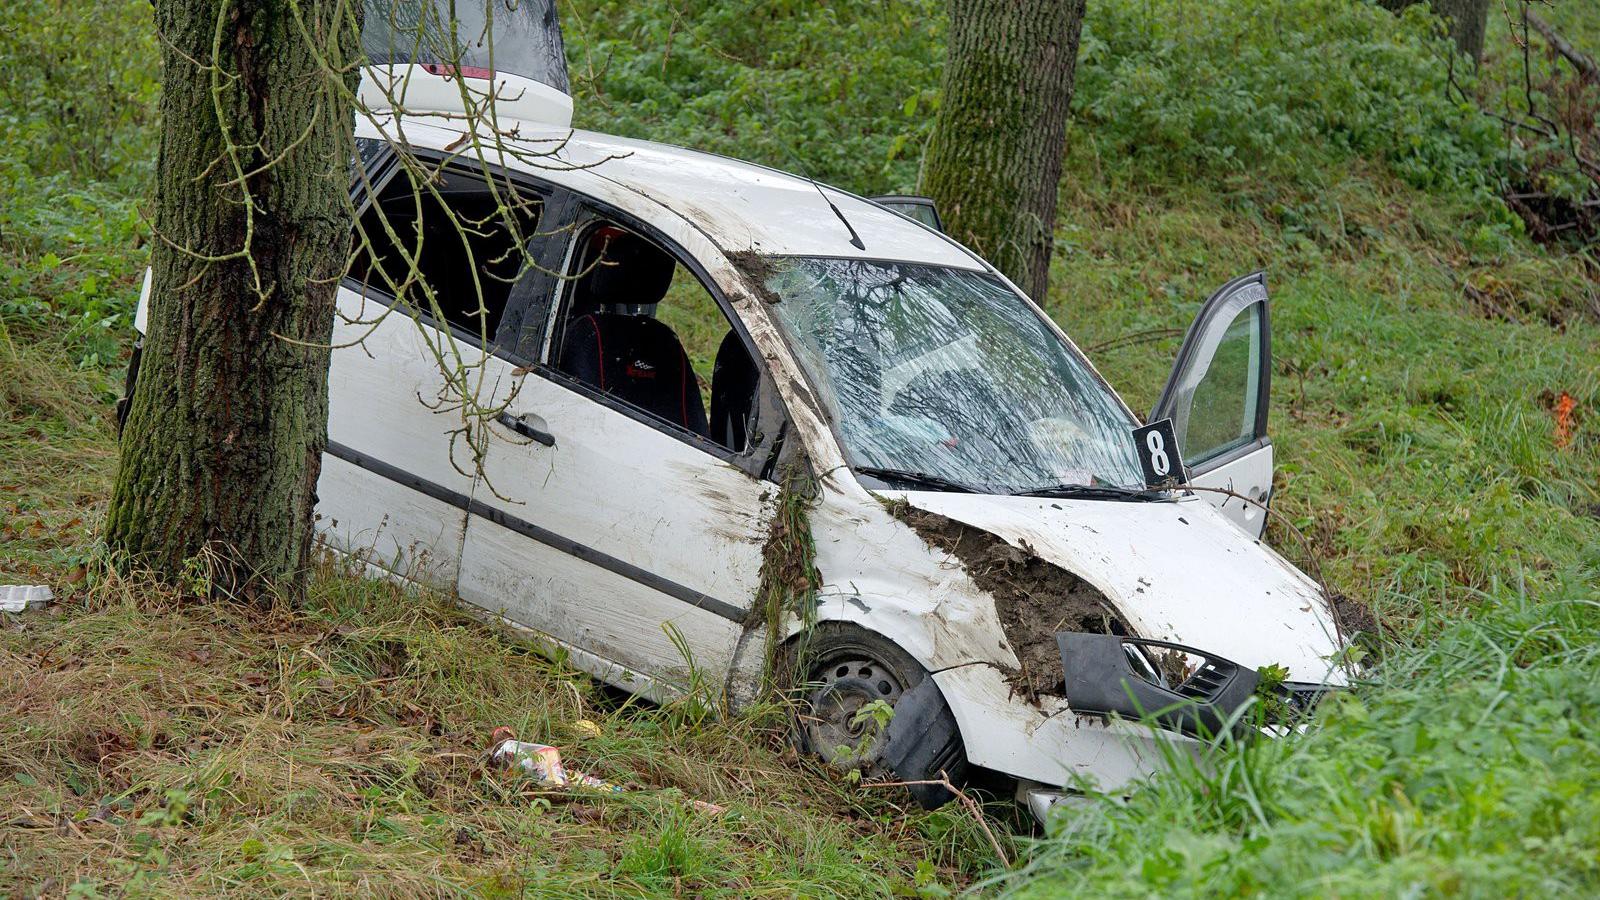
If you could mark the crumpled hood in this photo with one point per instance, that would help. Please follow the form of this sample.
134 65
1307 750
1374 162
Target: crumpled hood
1177 571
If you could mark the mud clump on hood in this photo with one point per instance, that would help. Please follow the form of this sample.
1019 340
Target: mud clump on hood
1033 598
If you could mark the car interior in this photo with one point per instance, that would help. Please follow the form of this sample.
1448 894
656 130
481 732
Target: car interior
480 227
614 337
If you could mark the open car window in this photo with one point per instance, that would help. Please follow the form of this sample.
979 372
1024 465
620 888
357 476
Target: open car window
449 243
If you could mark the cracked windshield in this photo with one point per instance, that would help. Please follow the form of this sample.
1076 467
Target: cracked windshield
943 375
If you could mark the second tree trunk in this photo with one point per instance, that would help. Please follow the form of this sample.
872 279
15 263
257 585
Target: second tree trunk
994 160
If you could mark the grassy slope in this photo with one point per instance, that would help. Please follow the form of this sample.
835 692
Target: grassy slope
197 749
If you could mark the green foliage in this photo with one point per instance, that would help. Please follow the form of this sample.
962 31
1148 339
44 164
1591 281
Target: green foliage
70 257
1415 452
77 110
80 87
842 91
1276 87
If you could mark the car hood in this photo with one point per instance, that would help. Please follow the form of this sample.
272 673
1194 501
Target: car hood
1177 571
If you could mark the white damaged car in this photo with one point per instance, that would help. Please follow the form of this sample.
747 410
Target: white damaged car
722 391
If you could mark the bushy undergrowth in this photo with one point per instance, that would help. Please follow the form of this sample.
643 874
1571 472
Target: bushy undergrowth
1277 88
840 91
79 90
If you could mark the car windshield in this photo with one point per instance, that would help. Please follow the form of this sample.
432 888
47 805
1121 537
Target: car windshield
944 375
516 37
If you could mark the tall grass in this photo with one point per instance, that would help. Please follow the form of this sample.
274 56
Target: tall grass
1473 769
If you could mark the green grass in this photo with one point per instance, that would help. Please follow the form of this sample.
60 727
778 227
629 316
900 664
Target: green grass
161 746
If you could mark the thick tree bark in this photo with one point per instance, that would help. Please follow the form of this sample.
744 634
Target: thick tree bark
1467 20
994 160
223 443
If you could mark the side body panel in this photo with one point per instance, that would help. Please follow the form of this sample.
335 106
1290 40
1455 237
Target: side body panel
388 406
640 546
666 536
1249 474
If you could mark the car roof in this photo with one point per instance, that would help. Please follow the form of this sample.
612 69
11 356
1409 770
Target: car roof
743 206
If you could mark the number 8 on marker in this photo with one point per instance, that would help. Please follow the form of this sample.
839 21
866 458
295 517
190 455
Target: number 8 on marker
1158 453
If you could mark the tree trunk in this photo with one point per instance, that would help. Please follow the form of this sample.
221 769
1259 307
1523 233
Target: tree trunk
223 443
1467 20
994 160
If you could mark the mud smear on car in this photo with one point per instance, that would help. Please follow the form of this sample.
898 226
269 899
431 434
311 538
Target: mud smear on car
789 578
1034 598
757 270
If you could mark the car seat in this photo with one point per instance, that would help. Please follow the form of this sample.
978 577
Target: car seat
613 342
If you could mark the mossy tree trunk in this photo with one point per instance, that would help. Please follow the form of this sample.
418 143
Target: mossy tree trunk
223 443
1467 20
993 163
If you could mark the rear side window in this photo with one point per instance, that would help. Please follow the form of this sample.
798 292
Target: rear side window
448 243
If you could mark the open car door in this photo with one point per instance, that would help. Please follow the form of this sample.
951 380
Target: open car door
1217 399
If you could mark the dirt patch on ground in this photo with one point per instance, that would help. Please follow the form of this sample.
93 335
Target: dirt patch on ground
1034 598
1355 618
757 269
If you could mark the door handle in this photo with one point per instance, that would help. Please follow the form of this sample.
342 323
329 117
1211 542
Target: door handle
527 425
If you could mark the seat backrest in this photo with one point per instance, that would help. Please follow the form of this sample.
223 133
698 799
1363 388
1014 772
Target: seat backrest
638 360
733 392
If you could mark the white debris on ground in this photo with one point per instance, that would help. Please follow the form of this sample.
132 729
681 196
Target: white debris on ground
22 597
543 763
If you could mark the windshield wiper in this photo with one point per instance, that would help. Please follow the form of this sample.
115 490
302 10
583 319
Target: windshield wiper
922 479
1094 492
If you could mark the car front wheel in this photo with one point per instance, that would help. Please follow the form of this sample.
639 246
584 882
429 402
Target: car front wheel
866 704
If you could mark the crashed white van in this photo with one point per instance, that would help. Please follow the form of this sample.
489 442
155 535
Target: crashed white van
991 560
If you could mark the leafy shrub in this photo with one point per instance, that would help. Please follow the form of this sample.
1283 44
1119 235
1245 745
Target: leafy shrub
1277 85
70 259
840 91
80 87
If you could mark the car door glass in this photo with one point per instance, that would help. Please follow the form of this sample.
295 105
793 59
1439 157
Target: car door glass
639 327
1221 411
1215 399
447 243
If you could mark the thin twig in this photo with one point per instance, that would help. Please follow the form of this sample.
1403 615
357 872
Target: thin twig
972 807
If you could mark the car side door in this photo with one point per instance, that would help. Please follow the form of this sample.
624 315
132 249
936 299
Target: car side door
630 536
1217 398
435 265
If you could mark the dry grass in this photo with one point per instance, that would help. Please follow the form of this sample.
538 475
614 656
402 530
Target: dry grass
165 745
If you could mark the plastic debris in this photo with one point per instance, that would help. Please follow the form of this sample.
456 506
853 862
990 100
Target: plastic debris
543 763
21 597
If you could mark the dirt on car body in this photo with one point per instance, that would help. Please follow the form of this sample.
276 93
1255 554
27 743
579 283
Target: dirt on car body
1033 598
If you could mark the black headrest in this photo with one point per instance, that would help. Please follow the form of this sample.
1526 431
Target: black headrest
621 267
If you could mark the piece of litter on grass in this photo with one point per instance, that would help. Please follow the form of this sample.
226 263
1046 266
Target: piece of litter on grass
587 728
543 763
20 597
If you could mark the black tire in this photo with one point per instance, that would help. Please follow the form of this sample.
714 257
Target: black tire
847 667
